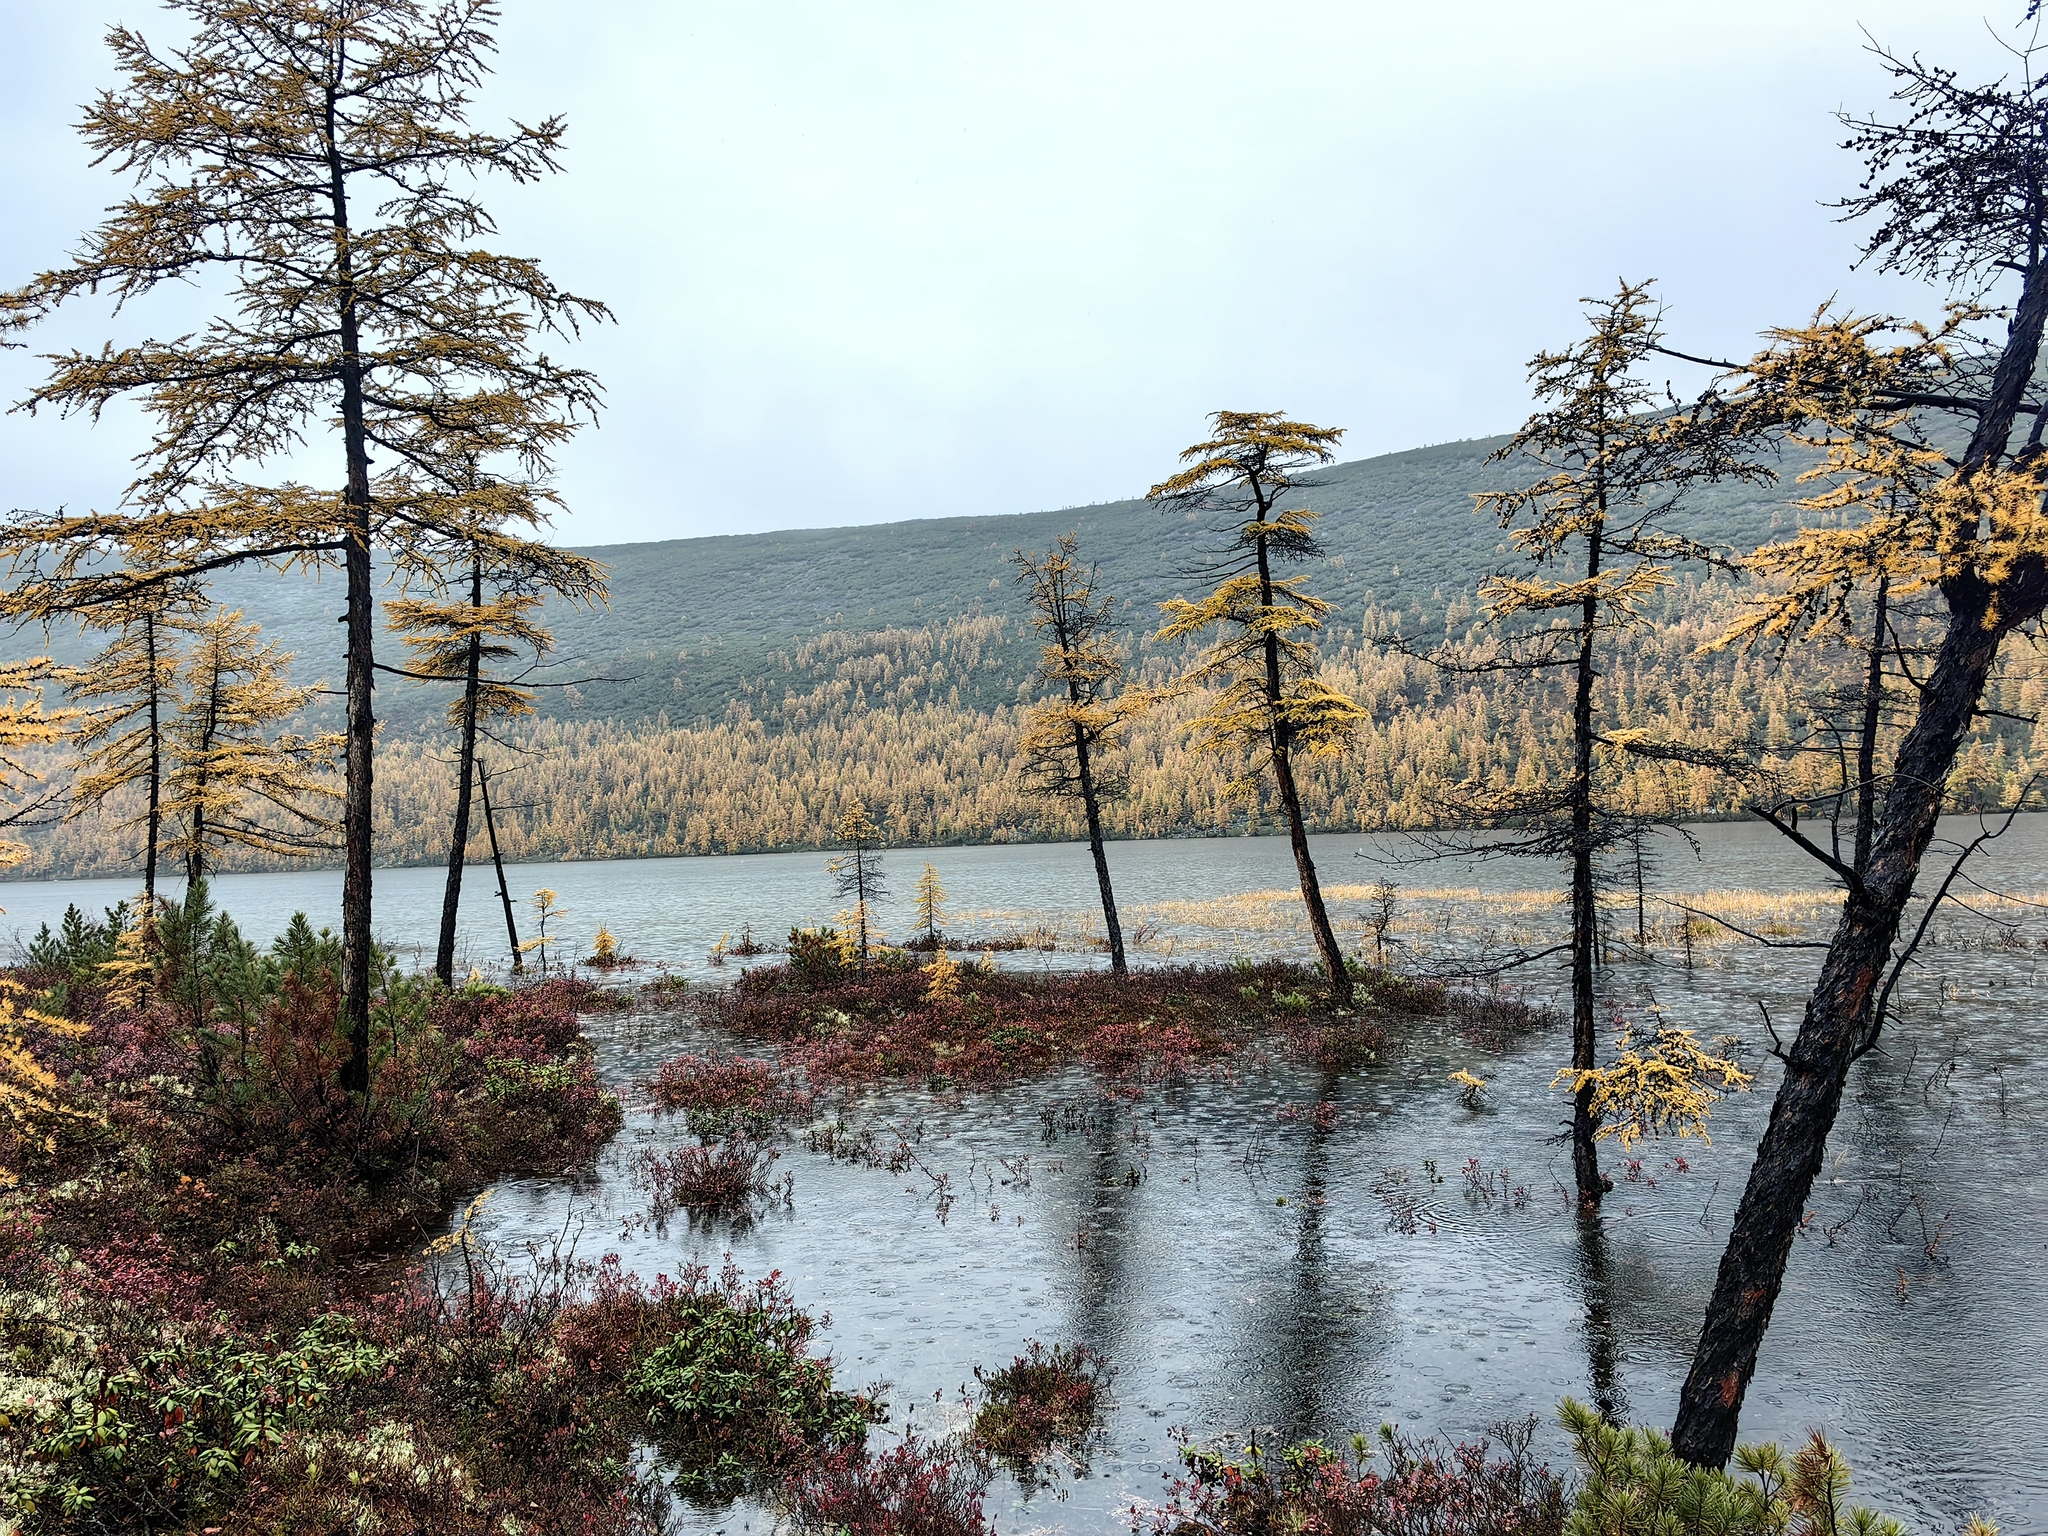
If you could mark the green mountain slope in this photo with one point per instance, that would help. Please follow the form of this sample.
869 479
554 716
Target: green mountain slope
693 620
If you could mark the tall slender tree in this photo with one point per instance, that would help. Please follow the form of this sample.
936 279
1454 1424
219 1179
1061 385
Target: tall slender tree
857 873
1957 186
1615 459
1068 736
469 640
1268 702
127 695
232 783
317 157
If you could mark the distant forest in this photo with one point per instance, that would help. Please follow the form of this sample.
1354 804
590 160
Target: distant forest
920 722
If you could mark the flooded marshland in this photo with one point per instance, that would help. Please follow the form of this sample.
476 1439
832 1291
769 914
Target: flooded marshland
1286 1252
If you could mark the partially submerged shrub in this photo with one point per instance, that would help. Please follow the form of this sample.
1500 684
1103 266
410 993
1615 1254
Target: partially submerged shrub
1429 1488
724 1178
917 1488
1043 1398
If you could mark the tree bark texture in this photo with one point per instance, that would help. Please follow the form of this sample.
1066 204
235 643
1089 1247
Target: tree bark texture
154 832
1086 774
356 819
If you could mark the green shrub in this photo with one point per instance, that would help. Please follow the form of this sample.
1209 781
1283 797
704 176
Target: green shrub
164 1435
1636 1485
733 1392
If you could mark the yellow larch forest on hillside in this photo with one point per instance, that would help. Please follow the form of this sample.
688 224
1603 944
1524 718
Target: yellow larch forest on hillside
886 725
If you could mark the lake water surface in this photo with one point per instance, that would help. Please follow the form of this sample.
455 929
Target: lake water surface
1387 1286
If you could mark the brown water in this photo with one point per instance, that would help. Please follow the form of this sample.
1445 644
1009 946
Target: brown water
1379 1290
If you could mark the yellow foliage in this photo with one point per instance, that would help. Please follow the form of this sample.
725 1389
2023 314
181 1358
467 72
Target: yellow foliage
1660 1083
1469 1087
30 1095
942 984
604 948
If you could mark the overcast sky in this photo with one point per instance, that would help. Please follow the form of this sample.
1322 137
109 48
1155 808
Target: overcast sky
905 260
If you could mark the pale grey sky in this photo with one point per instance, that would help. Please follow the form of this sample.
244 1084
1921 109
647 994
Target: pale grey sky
906 259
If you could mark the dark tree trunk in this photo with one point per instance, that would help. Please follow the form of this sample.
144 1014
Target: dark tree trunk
1290 802
1837 1015
156 770
458 847
356 818
1086 774
1789 1157
483 781
1866 742
1585 907
195 859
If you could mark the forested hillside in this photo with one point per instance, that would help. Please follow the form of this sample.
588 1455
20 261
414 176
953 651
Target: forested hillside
694 622
920 722
739 690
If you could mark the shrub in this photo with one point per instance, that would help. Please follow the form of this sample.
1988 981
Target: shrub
722 1095
918 1488
1429 1488
165 1436
732 1391
1637 1486
1042 1398
722 1179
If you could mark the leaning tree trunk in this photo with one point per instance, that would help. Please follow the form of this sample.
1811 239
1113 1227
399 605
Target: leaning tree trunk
1311 889
1837 1018
483 779
1866 741
458 847
1810 1094
1094 812
1290 802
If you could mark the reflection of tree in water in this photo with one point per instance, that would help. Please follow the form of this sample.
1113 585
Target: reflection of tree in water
1299 1350
1603 1346
1103 1236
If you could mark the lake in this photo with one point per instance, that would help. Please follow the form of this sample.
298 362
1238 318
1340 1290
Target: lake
1388 1285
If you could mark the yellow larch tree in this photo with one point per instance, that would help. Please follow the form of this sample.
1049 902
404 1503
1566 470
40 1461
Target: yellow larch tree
231 781
1068 734
127 696
857 874
1268 706
471 639
316 157
1956 189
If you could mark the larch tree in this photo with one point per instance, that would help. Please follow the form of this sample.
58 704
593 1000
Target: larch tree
857 873
1957 186
1268 703
930 908
25 728
1614 460
231 782
470 639
127 696
316 158
1068 735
